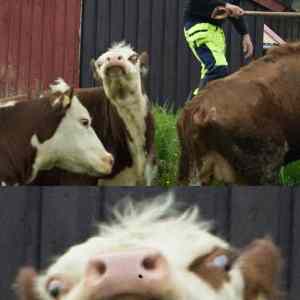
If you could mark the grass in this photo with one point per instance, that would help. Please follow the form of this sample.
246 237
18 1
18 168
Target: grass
290 174
167 146
168 152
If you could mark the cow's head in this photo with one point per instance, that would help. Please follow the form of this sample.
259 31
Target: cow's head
74 146
121 71
155 253
202 135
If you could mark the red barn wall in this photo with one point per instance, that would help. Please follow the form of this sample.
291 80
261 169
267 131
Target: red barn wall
40 41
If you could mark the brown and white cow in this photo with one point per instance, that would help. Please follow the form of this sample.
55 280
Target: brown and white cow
122 119
51 132
155 252
243 128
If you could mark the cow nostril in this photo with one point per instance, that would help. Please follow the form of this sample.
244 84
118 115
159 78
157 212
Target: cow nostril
149 263
108 59
120 57
101 268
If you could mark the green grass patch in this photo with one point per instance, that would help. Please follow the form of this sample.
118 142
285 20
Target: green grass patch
168 152
167 146
290 174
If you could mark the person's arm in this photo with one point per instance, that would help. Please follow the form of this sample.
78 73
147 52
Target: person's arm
240 25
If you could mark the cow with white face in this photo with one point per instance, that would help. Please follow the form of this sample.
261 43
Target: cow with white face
156 253
122 71
54 131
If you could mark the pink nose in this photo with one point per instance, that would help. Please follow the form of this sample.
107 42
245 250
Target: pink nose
115 59
109 160
139 272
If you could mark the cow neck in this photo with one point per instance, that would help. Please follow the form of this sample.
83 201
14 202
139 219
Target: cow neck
133 111
17 151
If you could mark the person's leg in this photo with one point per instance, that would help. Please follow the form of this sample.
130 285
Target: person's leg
207 43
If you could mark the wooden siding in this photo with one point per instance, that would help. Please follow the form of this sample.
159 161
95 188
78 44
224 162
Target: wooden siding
155 26
287 28
39 223
39 42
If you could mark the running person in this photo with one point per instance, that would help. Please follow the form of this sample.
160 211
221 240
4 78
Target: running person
206 38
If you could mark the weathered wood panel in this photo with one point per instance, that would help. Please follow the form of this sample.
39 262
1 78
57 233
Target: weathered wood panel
286 28
39 42
39 223
155 26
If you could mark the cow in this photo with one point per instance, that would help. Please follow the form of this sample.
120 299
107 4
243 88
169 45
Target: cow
122 119
41 134
242 129
156 251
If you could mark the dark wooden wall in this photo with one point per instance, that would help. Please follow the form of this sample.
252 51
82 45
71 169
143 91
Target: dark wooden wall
38 223
39 42
286 28
155 26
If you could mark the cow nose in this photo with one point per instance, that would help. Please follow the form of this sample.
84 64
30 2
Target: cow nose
115 58
108 160
134 272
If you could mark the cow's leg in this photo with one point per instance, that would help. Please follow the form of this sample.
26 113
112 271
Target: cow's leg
185 159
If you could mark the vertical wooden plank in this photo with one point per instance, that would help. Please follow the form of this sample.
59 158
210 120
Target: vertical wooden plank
144 33
259 212
5 19
117 20
144 25
131 17
170 52
36 46
183 57
294 275
19 240
68 216
88 38
25 47
71 58
13 48
59 38
157 53
47 43
213 204
103 40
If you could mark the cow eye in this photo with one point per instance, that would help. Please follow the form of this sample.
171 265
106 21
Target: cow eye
85 122
222 262
219 259
55 288
134 58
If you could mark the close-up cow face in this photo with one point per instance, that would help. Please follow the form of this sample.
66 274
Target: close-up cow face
121 70
74 146
156 253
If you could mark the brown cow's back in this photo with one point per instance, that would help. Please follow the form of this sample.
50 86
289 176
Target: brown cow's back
257 112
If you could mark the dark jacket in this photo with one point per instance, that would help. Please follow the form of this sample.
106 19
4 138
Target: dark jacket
199 11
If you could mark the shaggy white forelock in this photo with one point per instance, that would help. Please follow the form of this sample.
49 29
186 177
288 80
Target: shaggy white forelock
147 216
122 47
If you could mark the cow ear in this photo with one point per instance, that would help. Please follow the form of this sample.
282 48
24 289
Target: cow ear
203 117
25 283
62 102
260 264
94 72
144 63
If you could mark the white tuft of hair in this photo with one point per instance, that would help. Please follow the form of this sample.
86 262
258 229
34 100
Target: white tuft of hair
120 46
162 212
59 86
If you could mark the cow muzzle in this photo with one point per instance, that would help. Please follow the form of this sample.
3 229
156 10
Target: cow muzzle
115 67
135 275
106 164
